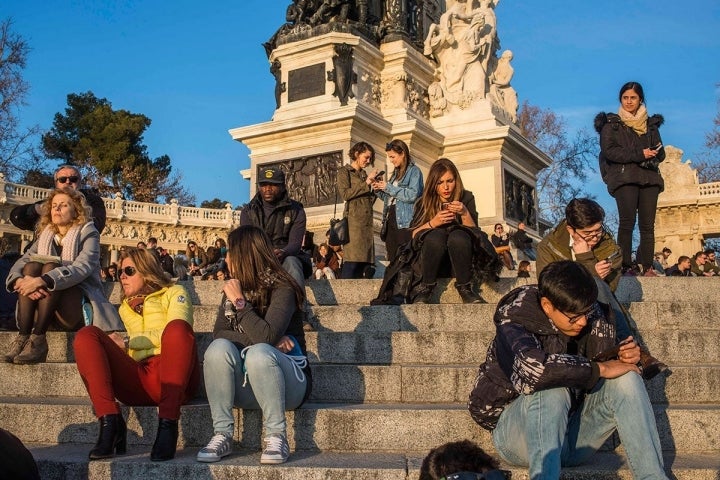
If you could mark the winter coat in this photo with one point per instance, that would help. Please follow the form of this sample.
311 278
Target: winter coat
556 246
359 204
159 308
529 354
247 327
621 152
408 189
84 272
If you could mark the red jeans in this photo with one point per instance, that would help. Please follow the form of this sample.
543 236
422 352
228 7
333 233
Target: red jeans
167 380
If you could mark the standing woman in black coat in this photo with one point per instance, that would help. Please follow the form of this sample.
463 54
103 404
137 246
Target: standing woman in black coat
630 151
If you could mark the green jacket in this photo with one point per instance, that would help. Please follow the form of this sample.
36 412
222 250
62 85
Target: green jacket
556 246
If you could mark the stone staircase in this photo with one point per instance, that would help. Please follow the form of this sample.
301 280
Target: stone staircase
391 382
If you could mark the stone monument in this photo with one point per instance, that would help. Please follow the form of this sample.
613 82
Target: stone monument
424 71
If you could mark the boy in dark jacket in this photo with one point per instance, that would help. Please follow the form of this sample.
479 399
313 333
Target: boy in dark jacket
546 401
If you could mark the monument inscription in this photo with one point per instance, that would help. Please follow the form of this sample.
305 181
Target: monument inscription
306 82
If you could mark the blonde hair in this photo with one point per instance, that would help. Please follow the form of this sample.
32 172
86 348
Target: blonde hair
81 210
147 266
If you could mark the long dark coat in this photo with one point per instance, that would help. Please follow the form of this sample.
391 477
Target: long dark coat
359 197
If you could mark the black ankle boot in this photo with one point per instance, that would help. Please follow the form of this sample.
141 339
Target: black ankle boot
112 438
165 441
467 295
424 293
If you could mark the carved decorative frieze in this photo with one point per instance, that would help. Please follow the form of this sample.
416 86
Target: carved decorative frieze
520 200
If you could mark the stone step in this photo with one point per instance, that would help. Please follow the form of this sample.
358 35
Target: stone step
373 383
69 462
453 317
338 292
324 426
674 347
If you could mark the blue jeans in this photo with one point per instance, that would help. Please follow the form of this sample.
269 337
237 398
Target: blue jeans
538 431
272 385
606 295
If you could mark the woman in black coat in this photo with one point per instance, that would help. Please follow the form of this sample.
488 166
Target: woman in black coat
630 151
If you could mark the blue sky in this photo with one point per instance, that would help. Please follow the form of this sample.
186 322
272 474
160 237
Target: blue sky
197 69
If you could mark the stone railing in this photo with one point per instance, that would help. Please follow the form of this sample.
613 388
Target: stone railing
131 211
709 189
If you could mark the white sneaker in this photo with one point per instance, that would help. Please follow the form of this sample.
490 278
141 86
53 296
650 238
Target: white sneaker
276 449
220 445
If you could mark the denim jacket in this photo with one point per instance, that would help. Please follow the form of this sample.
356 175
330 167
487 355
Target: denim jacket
408 190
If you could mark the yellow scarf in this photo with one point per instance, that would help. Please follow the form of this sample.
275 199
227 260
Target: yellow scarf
637 122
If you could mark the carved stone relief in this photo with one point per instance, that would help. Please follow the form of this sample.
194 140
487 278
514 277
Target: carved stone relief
520 200
311 180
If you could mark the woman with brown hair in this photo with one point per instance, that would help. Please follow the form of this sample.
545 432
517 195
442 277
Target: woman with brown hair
354 186
196 257
258 358
399 193
157 364
441 227
57 276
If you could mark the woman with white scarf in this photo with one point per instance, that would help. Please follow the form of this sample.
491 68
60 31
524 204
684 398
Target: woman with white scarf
630 151
58 279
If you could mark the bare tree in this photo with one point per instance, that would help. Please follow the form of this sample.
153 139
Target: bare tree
708 168
573 159
18 153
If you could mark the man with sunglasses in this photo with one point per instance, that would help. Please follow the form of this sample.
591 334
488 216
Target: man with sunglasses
25 217
545 391
582 237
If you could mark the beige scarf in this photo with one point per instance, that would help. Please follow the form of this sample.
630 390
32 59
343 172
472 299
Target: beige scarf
70 243
637 122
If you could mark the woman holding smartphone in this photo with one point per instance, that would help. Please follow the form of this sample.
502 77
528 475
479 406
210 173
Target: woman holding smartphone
630 151
442 231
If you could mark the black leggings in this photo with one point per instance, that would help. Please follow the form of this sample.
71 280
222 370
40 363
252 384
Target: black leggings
439 244
632 201
64 306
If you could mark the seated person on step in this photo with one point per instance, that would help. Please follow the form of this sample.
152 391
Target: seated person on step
258 358
582 237
548 399
156 365
443 227
58 279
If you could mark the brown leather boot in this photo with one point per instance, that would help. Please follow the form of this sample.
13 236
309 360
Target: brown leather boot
651 366
35 351
16 347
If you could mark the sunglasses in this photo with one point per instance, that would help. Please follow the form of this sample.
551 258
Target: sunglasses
72 179
128 271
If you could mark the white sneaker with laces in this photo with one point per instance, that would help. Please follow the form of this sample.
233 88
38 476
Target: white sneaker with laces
276 449
220 445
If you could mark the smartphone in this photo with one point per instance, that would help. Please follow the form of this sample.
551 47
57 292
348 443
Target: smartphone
657 147
444 205
613 256
379 174
611 353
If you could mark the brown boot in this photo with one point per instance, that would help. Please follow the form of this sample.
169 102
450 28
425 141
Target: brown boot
16 347
35 351
651 366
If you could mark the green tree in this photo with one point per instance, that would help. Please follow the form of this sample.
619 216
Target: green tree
107 145
18 153
574 159
214 203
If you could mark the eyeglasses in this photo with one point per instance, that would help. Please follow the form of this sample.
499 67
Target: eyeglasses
577 317
128 271
72 179
592 234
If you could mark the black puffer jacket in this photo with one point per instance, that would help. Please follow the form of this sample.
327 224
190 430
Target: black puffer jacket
621 152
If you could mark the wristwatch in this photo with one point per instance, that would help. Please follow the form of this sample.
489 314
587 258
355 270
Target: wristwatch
239 303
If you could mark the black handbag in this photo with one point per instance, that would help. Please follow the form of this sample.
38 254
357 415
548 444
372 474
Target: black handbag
339 229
